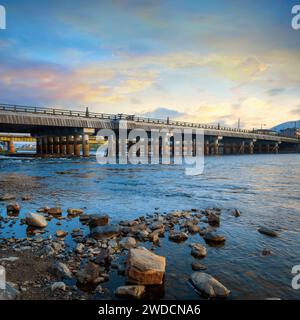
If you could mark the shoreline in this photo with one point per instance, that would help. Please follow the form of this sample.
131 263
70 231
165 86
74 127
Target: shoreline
83 272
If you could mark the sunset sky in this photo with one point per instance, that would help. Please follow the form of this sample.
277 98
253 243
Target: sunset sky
201 61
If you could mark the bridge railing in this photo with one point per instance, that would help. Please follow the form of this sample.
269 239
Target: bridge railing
87 114
56 112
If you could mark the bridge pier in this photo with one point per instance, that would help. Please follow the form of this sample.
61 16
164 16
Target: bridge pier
206 147
63 147
85 145
70 145
251 147
11 146
77 146
216 147
242 148
56 145
38 146
44 145
50 145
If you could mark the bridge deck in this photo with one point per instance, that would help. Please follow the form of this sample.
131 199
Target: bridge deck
14 118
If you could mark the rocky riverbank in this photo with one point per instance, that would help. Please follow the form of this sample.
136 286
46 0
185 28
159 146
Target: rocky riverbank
45 267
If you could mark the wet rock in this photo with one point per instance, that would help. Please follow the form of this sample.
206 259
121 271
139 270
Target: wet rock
103 258
154 237
79 248
135 292
142 235
178 236
213 219
208 285
198 250
62 270
84 218
236 213
266 252
156 225
138 227
7 197
43 210
58 286
73 212
76 233
13 209
55 211
145 267
128 242
214 238
194 228
61 233
89 274
26 198
36 220
104 232
267 231
96 220
9 259
10 292
198 266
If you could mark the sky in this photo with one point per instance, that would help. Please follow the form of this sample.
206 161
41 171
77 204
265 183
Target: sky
193 60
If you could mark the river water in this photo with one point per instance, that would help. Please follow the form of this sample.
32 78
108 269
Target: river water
265 188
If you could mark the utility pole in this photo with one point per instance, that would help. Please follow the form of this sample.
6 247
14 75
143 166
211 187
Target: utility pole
239 123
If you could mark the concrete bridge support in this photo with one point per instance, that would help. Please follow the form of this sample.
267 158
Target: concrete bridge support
50 145
242 148
11 146
63 146
70 145
38 145
251 147
44 145
77 146
206 148
85 145
56 145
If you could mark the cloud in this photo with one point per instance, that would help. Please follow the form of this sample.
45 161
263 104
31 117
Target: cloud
163 113
296 111
275 91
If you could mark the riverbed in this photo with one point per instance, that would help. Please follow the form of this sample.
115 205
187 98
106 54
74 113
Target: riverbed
264 188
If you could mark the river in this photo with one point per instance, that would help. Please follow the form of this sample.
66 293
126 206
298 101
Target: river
265 188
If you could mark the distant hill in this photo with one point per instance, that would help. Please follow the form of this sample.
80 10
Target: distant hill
285 125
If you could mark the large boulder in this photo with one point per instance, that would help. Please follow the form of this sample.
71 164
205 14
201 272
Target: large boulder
145 267
130 291
208 286
96 220
105 232
36 220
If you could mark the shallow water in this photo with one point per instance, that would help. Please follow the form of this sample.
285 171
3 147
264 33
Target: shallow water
265 188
